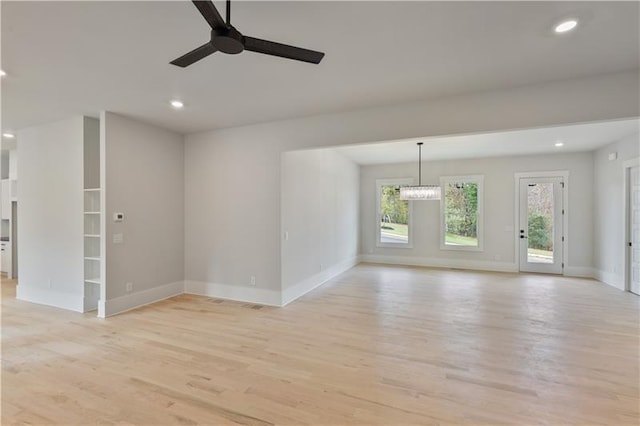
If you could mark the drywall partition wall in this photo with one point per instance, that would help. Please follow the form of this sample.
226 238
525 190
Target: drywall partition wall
50 217
608 207
13 164
232 219
320 204
499 251
143 169
232 176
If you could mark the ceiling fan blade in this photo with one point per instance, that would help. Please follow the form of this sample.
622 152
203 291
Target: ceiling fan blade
195 55
282 50
210 13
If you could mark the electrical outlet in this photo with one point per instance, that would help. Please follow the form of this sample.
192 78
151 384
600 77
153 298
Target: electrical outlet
253 280
49 282
118 238
286 235
129 287
321 267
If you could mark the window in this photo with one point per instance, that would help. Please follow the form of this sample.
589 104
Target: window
393 224
461 213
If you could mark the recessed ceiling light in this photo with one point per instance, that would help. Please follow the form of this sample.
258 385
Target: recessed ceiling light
2 73
177 104
8 135
559 144
566 26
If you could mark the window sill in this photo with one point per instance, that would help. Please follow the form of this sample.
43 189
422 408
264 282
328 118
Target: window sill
400 246
461 248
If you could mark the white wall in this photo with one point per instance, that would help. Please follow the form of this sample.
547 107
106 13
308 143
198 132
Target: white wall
232 215
499 202
608 207
13 164
320 205
50 217
143 169
232 176
91 154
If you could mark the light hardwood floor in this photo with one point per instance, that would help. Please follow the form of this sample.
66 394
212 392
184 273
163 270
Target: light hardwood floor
376 345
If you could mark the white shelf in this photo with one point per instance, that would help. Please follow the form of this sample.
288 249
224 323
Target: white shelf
93 219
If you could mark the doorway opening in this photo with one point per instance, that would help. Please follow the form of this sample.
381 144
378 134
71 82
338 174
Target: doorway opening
632 213
540 215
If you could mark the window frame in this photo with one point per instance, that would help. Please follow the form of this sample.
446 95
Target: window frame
479 180
389 182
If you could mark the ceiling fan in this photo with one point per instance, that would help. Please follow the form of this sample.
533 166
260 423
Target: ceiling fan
225 38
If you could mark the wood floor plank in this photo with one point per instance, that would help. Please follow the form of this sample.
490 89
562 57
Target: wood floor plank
375 345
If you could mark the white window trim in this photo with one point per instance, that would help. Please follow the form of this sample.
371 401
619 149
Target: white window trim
479 179
379 184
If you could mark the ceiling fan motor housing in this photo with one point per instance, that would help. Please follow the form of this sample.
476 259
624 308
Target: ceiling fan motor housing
227 40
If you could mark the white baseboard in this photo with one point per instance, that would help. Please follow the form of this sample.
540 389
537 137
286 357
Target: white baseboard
303 287
140 298
609 278
49 297
579 272
477 265
259 296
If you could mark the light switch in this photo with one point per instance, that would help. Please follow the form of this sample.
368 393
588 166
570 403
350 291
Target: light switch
118 238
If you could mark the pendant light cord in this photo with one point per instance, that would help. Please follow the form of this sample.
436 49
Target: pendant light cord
419 163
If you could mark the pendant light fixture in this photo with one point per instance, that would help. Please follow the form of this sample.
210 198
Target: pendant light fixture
420 192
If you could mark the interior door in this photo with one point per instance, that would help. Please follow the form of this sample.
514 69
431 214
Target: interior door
540 232
634 229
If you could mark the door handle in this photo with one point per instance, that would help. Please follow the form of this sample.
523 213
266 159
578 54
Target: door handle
523 236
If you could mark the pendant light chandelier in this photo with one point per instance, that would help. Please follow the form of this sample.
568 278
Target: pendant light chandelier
420 192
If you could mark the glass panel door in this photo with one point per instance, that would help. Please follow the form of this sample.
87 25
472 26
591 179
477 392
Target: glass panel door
540 231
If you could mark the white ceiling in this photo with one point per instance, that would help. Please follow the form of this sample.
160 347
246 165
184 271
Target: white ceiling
80 57
580 137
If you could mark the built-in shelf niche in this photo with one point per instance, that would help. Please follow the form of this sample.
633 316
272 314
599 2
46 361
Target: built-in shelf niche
92 244
92 200
92 270
92 224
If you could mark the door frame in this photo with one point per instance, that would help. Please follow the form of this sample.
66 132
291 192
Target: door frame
564 174
626 219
